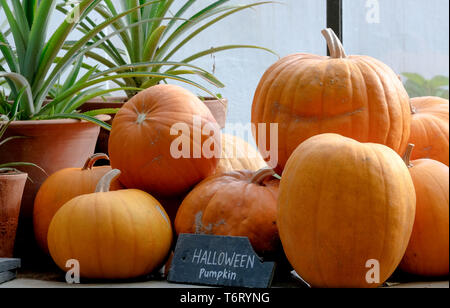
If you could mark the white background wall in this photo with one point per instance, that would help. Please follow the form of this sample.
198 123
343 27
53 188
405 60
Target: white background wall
411 36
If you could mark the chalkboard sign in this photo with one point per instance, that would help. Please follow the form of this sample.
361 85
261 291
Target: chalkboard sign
8 269
219 261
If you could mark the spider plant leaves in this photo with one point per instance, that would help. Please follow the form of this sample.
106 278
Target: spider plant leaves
74 51
78 116
224 48
98 112
22 83
55 44
20 40
8 54
90 83
231 11
152 43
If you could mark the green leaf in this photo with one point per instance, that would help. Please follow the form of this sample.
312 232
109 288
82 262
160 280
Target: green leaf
13 166
37 37
416 78
22 82
78 116
224 48
439 81
97 112
209 24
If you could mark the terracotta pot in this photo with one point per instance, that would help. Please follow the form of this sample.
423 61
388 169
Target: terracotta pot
11 191
218 109
53 145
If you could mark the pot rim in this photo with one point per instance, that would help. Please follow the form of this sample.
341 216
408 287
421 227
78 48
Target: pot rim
125 99
16 173
102 117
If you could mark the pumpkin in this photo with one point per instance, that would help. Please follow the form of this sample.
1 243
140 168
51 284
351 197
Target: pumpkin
428 250
237 154
112 234
345 210
61 187
429 128
238 203
306 95
146 144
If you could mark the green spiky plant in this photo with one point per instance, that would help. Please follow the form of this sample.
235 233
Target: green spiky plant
418 86
33 65
151 36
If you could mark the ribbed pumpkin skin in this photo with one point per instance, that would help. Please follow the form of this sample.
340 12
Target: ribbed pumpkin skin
429 129
58 189
229 204
341 204
237 155
307 95
428 250
140 141
114 235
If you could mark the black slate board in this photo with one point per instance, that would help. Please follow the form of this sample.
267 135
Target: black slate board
219 261
7 276
8 269
9 264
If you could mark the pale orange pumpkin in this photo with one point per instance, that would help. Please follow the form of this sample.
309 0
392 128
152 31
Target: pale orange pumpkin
238 203
112 234
342 205
428 249
307 95
61 187
237 154
147 146
429 128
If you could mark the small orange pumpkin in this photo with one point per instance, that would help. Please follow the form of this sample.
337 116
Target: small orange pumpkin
429 128
112 234
146 131
237 155
428 250
342 207
61 187
239 203
306 95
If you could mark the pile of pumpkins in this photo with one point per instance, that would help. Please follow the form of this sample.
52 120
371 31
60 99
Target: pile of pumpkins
353 187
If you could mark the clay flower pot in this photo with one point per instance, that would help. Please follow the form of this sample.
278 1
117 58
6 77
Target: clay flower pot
53 145
217 107
11 191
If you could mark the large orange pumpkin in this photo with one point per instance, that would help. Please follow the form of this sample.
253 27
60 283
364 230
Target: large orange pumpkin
428 250
112 234
61 187
343 207
147 146
429 128
237 155
238 203
307 95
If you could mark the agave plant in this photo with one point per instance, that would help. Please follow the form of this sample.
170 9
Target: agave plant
34 65
418 86
152 35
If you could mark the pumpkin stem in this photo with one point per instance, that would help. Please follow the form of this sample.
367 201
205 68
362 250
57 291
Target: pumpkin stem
407 157
413 109
334 44
104 184
90 162
261 175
